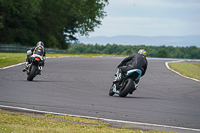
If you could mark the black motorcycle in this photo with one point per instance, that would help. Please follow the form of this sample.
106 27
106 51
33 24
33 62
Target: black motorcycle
35 67
126 86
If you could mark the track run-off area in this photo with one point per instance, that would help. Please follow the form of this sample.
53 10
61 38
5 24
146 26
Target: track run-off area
79 86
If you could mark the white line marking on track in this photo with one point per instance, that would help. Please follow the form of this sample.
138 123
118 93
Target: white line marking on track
104 119
166 64
13 65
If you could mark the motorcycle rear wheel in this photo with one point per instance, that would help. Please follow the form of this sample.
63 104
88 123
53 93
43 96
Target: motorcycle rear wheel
126 88
32 73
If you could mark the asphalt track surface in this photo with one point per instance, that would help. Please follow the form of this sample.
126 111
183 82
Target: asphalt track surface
80 85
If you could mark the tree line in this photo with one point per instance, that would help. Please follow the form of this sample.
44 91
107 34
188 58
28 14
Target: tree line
191 52
55 22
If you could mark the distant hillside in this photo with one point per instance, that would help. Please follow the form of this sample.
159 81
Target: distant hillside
144 40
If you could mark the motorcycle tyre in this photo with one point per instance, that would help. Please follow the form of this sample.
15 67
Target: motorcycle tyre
111 93
32 73
128 87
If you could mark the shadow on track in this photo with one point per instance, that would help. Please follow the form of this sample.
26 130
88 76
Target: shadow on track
137 97
41 81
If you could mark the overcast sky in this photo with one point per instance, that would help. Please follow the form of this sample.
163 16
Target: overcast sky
150 18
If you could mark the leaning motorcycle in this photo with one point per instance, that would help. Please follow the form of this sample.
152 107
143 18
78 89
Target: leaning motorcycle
35 67
126 86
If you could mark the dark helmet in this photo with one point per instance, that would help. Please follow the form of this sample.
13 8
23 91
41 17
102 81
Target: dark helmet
142 52
40 43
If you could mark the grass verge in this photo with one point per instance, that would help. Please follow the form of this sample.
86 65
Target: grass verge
7 59
191 70
19 123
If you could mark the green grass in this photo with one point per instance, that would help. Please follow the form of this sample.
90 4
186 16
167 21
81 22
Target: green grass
191 70
7 59
20 123
78 119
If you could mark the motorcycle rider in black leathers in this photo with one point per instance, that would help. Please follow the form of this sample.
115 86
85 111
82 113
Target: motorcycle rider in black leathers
134 61
39 50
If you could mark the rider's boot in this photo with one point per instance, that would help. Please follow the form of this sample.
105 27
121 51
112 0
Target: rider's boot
136 84
135 88
26 67
40 68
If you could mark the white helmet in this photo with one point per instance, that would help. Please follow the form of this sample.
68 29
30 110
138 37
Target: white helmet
40 43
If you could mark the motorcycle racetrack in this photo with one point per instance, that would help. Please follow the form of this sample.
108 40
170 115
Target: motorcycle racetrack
164 100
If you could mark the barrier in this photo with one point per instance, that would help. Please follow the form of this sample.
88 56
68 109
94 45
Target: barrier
11 48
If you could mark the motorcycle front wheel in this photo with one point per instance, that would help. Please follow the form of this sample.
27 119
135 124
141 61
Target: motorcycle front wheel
32 73
111 93
126 87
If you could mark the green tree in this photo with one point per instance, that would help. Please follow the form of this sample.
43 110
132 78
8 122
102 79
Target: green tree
53 22
187 56
1 25
162 53
128 52
18 20
191 52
